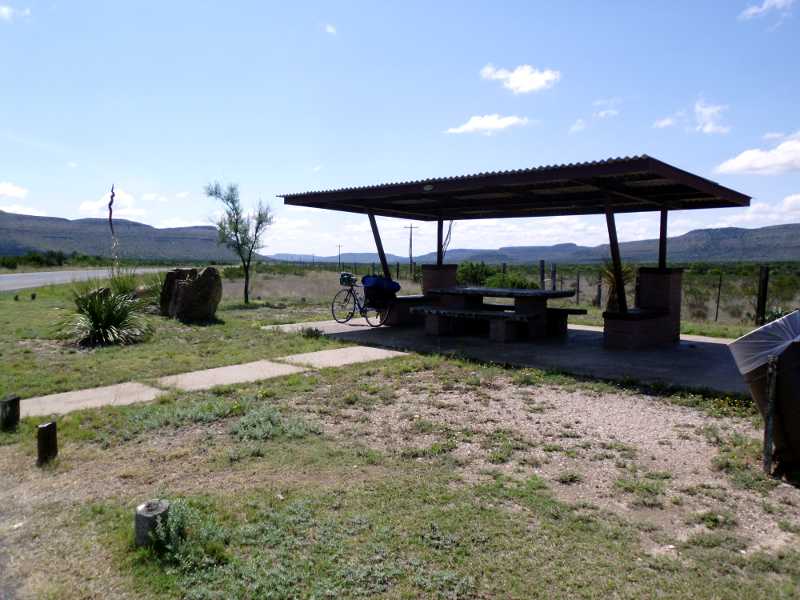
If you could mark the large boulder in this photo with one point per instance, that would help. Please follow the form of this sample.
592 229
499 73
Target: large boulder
171 279
189 296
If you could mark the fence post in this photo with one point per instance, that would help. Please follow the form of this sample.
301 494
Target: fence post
719 293
578 287
761 302
553 277
398 272
504 268
541 274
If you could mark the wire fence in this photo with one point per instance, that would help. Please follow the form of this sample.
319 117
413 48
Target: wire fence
724 293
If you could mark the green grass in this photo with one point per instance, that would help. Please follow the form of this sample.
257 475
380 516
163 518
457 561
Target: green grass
341 520
415 535
36 363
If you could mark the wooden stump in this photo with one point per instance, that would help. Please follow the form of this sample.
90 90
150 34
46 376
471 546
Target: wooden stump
148 515
46 442
9 413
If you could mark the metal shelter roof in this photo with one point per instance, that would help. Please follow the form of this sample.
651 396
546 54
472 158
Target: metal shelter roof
630 184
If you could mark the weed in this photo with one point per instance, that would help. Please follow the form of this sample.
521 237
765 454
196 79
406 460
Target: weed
569 478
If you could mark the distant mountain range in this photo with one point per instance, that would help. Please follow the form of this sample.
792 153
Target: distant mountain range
24 233
773 243
20 234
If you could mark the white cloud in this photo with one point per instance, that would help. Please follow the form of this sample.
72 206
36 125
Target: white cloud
316 168
761 214
11 190
9 13
330 29
22 209
663 123
523 79
774 135
767 6
708 117
182 195
782 158
72 164
606 113
488 124
124 206
577 126
154 197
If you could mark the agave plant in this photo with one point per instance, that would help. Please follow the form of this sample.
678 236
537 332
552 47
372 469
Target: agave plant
105 318
607 274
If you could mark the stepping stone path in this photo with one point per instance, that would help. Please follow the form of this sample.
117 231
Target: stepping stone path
246 373
111 395
340 357
133 392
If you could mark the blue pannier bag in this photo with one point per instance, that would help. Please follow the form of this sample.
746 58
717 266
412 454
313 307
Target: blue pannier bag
379 291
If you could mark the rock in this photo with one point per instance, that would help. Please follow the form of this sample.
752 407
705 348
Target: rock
171 280
190 296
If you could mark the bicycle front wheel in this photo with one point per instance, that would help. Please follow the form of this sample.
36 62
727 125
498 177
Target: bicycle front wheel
376 317
343 306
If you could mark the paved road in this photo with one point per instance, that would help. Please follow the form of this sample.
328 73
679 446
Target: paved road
21 281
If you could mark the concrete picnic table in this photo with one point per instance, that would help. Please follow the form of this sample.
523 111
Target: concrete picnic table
525 301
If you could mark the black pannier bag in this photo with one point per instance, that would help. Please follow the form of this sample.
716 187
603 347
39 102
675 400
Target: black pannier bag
379 292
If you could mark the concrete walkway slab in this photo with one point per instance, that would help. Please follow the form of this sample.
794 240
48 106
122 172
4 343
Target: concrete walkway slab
341 357
112 395
326 327
245 373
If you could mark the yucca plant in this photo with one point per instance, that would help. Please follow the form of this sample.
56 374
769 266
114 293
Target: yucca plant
105 318
607 275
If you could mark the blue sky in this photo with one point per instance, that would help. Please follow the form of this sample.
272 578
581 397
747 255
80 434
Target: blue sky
163 97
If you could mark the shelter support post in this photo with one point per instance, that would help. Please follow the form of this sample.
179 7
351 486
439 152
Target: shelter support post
619 282
439 242
379 244
662 241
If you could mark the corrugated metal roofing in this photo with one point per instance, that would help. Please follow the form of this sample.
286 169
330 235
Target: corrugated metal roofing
625 184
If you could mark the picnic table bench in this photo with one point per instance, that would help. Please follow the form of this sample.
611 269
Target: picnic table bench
527 317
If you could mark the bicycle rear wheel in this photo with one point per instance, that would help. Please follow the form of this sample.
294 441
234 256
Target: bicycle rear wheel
343 306
376 316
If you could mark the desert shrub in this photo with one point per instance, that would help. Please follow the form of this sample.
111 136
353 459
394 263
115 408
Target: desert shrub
104 318
236 272
470 273
510 280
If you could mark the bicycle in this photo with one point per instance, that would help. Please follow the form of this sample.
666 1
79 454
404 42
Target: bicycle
352 298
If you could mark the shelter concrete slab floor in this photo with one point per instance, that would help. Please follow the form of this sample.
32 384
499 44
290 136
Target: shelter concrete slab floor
697 363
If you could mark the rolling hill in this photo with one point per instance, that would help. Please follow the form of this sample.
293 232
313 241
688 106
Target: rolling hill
773 243
23 233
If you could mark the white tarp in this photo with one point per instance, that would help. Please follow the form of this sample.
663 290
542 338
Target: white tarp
754 349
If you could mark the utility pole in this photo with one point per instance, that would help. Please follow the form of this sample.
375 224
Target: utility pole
411 229
339 246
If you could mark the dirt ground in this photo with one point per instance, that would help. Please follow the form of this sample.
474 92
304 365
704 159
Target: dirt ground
635 457
587 439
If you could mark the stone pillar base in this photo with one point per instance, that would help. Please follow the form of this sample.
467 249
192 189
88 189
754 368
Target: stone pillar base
438 276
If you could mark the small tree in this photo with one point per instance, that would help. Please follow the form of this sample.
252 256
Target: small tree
239 231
